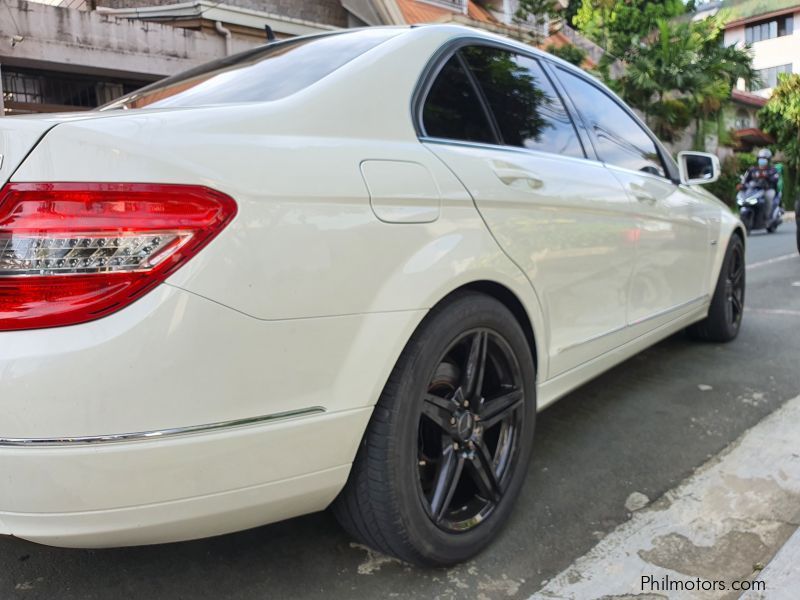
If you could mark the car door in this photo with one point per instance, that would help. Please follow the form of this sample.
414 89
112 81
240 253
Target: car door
674 242
494 117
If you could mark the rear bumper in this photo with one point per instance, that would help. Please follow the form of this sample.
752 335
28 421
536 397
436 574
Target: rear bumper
156 423
179 488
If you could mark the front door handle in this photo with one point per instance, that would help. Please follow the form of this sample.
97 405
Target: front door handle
510 174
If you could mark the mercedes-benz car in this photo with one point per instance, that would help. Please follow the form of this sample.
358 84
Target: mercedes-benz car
345 269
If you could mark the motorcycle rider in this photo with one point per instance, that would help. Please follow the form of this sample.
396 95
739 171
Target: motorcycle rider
765 175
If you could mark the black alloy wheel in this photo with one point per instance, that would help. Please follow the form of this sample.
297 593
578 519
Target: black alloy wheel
470 423
448 445
726 309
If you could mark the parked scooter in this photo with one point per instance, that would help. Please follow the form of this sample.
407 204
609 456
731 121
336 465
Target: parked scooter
752 202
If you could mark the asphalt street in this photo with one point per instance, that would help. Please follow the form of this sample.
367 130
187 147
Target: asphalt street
642 427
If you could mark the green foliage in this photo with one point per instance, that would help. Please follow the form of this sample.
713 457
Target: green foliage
537 10
781 119
618 25
571 10
733 167
571 54
682 69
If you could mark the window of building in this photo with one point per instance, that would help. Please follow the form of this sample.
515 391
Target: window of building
526 107
768 78
742 120
771 28
621 141
453 110
33 91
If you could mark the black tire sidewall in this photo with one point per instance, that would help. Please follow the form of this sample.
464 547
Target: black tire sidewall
727 329
428 346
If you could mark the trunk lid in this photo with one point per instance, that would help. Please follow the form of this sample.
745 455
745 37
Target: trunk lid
18 136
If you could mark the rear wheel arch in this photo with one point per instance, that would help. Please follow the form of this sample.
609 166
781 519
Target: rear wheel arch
510 300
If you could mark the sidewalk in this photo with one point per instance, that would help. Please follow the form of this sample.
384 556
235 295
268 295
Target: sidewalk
782 573
715 532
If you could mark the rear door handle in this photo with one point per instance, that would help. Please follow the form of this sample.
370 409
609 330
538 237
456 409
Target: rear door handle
642 195
510 174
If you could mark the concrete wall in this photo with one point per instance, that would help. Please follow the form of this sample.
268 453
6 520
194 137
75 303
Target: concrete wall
329 12
81 41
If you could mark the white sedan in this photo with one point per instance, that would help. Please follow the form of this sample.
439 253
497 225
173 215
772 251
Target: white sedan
342 269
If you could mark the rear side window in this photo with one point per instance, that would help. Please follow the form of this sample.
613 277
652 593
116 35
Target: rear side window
266 73
453 110
621 141
526 107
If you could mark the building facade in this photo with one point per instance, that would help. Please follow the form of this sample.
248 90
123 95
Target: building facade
66 55
775 42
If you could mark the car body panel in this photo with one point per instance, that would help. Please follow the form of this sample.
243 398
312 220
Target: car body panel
673 252
569 226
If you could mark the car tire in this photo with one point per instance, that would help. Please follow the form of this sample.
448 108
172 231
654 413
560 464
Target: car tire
399 498
727 304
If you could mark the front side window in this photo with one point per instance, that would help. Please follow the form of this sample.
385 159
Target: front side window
453 109
526 107
265 73
621 141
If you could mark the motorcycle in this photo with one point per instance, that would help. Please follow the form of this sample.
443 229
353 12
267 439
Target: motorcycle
752 199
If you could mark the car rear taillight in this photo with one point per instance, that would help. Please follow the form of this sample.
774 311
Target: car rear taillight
74 252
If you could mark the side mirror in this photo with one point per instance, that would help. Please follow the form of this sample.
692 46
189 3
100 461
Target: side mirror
698 167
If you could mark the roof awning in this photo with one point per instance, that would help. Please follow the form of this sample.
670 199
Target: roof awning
753 136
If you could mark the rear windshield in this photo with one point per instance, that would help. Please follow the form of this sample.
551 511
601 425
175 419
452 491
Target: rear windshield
265 73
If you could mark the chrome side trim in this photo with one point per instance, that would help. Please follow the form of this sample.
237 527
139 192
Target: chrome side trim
156 434
661 313
594 338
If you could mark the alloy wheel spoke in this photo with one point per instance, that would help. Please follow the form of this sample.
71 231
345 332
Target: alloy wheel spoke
447 479
495 410
476 365
736 303
737 273
483 473
439 410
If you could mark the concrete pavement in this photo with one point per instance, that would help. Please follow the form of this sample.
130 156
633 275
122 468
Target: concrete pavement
643 427
712 535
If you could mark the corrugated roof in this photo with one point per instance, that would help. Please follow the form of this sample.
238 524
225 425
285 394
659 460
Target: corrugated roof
422 12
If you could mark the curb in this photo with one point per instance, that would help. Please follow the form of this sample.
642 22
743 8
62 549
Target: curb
780 575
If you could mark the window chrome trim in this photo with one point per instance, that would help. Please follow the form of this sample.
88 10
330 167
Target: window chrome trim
159 434
660 178
503 147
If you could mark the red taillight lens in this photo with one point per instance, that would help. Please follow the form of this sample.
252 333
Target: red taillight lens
74 252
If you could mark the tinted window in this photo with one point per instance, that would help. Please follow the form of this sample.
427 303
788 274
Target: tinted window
620 139
452 109
526 108
266 73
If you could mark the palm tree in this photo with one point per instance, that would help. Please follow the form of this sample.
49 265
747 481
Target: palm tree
682 70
